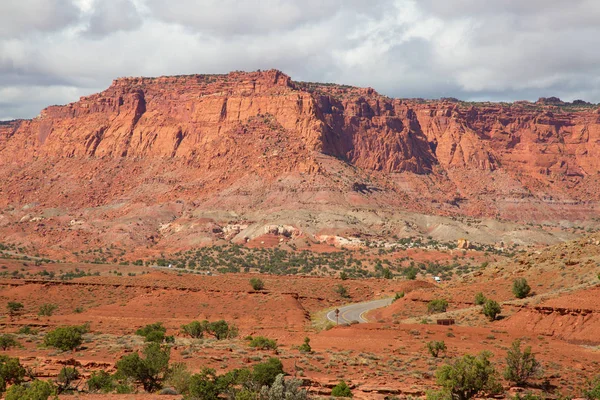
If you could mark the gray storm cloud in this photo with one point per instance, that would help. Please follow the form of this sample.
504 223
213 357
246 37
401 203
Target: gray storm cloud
470 49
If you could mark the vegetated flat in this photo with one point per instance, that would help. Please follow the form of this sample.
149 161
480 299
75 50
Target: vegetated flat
388 355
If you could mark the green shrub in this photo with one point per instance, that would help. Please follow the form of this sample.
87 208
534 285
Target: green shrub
521 288
26 330
342 291
491 309
592 392
205 385
398 296
179 378
521 365
7 341
480 299
14 308
221 330
257 284
47 309
436 347
148 371
65 338
467 377
265 373
195 329
263 343
36 390
437 306
101 382
305 347
410 273
154 333
341 390
66 377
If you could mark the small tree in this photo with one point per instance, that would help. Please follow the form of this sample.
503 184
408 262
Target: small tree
14 308
398 296
305 347
520 365
66 377
467 377
195 329
148 371
437 306
491 309
205 385
7 341
65 338
221 330
11 372
436 347
480 299
257 284
521 288
341 390
342 291
47 309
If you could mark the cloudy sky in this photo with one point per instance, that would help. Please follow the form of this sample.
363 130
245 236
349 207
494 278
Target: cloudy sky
53 51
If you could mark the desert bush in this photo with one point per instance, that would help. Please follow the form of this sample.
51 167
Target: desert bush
65 337
47 309
66 377
342 291
36 390
283 389
205 385
265 373
410 273
305 347
8 341
466 377
221 330
148 371
11 372
398 296
195 329
263 343
341 390
437 306
26 330
101 382
179 378
491 309
521 288
592 392
436 347
257 284
14 308
480 299
154 333
521 365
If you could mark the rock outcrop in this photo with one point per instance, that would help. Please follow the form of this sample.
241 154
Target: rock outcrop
260 141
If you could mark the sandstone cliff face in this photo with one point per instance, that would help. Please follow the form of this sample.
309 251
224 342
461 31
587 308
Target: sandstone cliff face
277 142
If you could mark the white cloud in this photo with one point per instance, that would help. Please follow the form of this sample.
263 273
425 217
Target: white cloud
406 48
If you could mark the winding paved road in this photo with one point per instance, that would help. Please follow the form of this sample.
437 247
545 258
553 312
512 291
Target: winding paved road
355 312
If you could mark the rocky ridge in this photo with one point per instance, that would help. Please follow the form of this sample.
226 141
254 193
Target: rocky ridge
258 141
